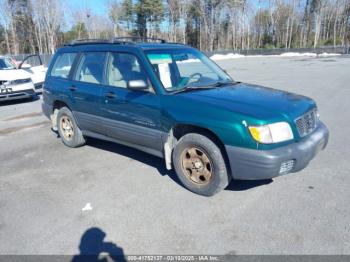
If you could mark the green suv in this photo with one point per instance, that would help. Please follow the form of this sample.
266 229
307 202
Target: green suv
171 101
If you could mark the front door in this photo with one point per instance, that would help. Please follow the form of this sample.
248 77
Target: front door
128 115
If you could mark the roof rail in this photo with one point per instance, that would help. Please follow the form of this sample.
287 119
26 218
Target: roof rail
138 39
175 43
86 41
115 40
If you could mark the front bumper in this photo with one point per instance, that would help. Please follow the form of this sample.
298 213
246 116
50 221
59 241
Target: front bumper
250 164
17 95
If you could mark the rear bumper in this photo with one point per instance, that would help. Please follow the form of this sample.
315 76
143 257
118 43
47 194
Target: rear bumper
250 164
17 95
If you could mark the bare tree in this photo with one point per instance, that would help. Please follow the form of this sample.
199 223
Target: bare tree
6 21
48 16
174 17
42 25
115 13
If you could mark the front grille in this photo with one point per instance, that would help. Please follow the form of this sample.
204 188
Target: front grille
307 122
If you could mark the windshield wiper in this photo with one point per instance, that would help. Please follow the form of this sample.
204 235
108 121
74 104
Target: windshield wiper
223 83
191 88
208 86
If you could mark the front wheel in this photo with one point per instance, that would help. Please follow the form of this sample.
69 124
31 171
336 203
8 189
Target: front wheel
200 165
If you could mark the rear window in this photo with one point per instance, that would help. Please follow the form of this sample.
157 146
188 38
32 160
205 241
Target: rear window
63 64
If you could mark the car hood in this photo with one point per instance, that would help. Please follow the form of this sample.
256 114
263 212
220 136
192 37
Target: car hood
13 74
253 100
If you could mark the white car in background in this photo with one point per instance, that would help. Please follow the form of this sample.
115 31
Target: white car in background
33 65
22 81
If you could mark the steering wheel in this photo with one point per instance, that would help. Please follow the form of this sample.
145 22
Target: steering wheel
190 79
193 77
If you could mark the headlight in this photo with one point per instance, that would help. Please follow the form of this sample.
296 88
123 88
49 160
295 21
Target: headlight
272 133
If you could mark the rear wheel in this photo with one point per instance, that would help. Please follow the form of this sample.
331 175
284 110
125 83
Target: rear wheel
68 130
199 165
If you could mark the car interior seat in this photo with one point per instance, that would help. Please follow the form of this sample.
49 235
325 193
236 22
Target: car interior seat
115 78
92 73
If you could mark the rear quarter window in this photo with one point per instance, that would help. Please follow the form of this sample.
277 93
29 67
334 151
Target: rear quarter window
63 65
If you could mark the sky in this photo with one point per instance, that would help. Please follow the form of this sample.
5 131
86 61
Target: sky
96 6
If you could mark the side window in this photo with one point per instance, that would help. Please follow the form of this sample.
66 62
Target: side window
123 68
63 64
90 68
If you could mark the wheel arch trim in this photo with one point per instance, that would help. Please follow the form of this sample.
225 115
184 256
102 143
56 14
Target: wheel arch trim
180 129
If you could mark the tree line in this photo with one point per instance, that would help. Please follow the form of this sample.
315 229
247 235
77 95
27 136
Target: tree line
40 26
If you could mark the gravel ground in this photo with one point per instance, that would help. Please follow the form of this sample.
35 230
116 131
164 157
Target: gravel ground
141 207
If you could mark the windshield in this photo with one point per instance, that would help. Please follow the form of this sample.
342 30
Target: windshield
179 69
6 64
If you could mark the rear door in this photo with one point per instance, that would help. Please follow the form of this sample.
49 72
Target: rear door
86 90
58 80
129 115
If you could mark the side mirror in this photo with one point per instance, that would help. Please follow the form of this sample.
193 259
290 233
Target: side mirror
137 85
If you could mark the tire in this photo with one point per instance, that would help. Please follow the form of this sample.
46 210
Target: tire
191 157
76 138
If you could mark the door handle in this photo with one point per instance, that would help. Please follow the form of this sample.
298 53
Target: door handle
72 88
111 95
